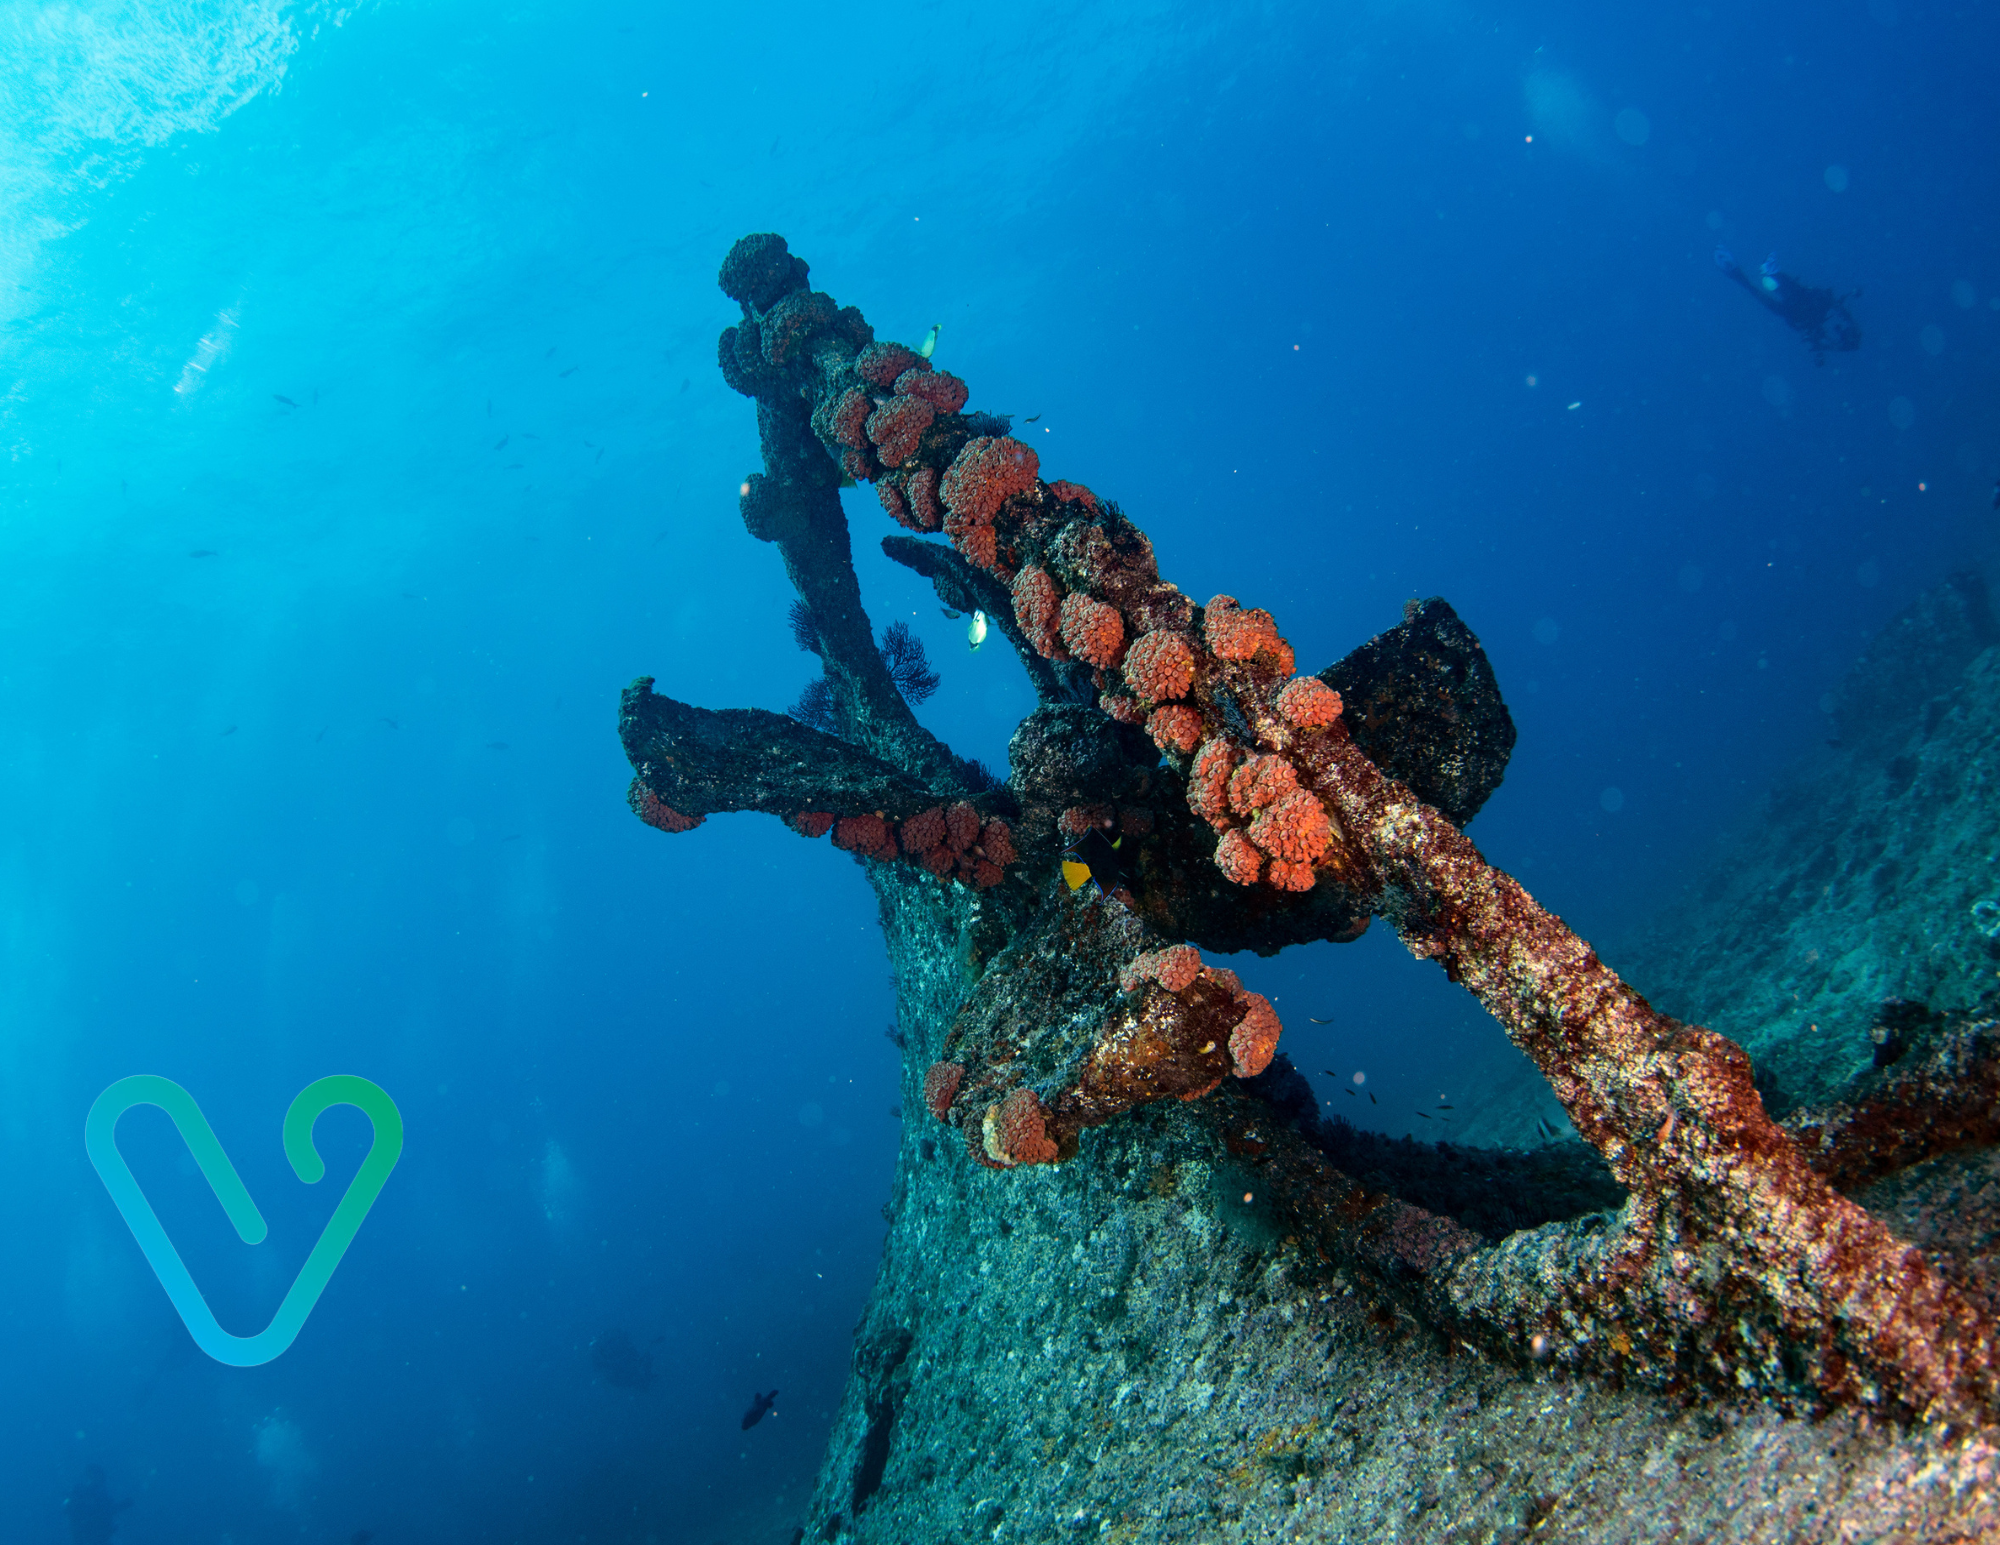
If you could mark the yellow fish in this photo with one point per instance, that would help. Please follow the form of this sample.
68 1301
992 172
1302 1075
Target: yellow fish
1096 859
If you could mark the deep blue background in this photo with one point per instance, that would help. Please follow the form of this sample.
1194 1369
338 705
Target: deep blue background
307 741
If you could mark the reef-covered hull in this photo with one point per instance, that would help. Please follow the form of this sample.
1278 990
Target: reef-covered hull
1867 875
1120 1226
1133 1346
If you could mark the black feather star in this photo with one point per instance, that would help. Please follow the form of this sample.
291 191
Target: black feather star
814 709
903 654
978 776
805 631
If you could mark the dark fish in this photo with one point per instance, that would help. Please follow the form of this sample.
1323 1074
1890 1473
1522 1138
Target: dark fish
202 552
1443 1106
390 722
501 443
284 399
512 466
496 745
230 731
759 1406
954 616
550 355
529 434
590 445
1371 1098
686 382
319 737
597 458
1421 1114
565 375
1311 1021
1095 859
1035 420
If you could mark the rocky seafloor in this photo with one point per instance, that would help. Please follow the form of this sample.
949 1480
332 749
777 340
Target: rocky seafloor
1129 1346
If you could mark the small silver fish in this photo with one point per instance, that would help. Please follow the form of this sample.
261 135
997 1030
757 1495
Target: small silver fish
975 635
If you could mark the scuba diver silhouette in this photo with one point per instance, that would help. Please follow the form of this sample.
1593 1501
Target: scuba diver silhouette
1818 316
93 1516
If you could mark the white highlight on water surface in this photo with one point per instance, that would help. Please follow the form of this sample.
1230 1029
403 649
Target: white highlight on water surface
86 91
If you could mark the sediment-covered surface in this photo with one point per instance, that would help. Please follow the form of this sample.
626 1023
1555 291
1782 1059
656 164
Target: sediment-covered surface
1128 1346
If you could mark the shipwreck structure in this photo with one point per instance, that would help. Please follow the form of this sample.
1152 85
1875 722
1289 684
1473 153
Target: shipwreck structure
1096 1096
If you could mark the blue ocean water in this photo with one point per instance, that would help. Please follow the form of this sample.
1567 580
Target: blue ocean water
363 437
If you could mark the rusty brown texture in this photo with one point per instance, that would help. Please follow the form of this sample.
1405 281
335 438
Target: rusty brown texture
1909 1112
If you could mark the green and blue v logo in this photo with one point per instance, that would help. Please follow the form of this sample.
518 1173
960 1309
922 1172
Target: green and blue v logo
100 1140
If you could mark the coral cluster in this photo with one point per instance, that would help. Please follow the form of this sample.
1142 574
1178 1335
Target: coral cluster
1168 1027
1083 585
1173 968
951 843
657 813
1015 1131
983 476
941 1087
1038 609
1160 667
